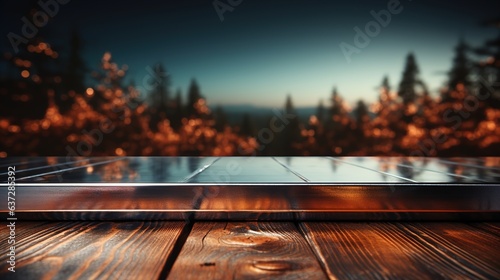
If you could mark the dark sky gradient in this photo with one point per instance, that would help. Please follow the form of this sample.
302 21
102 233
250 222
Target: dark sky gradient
264 50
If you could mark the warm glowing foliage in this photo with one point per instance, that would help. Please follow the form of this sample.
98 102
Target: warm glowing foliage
110 119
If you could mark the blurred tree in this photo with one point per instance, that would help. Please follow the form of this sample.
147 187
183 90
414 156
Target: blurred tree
314 132
361 114
461 69
178 111
489 68
338 126
160 96
467 117
74 75
193 98
338 107
287 139
386 122
110 83
38 81
360 128
133 96
34 75
121 109
385 98
220 119
320 112
386 87
292 131
411 90
409 80
459 74
469 109
320 146
247 127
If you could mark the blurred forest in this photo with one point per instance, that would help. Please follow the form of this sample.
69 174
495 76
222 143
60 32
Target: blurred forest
49 106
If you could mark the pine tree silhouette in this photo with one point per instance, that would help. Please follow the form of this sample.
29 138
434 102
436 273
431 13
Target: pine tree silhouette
338 126
489 67
409 80
247 127
316 142
160 96
36 74
320 112
74 75
292 130
220 119
460 71
193 98
178 110
386 122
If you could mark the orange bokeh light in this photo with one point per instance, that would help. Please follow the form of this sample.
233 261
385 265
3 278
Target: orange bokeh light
90 91
25 73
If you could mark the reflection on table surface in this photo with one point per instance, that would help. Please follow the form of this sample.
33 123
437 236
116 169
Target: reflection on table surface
252 170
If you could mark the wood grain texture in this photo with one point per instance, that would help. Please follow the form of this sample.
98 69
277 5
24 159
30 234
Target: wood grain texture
493 228
246 251
254 250
474 249
402 251
90 250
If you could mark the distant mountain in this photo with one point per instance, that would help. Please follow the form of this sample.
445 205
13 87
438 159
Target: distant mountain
245 108
259 114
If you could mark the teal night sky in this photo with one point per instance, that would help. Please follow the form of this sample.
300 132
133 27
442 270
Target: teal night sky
264 50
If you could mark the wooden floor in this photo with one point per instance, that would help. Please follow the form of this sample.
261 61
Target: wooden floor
254 250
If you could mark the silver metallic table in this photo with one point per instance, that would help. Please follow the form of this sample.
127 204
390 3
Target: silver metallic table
254 188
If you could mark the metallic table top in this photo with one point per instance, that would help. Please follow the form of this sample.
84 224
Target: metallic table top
254 188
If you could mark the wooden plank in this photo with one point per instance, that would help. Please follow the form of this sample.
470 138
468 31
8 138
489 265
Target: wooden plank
475 249
90 250
493 228
388 250
246 251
